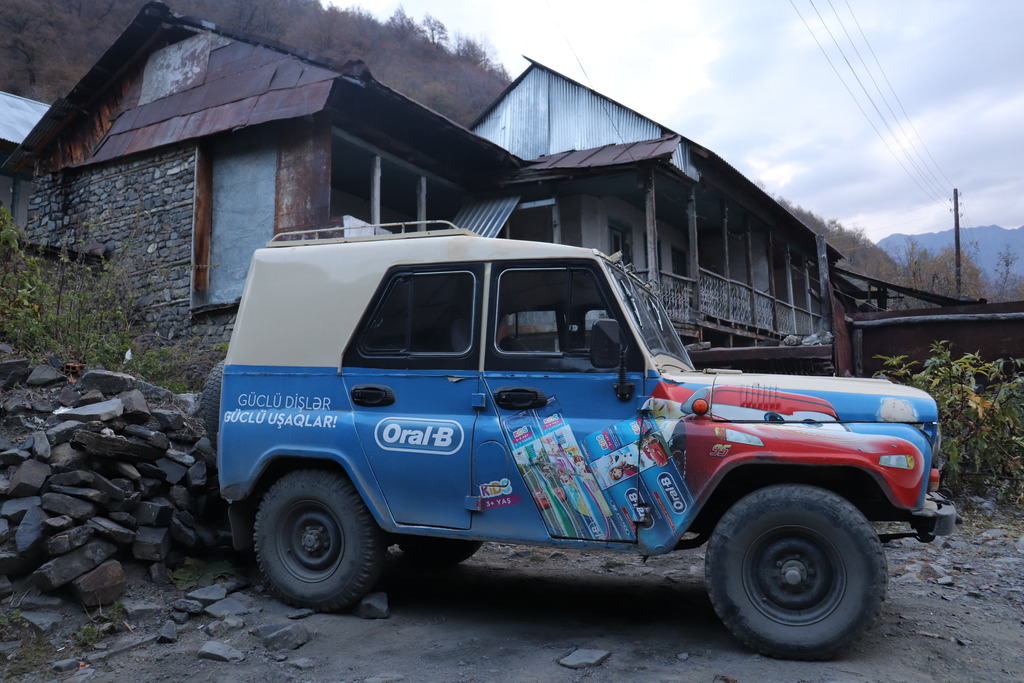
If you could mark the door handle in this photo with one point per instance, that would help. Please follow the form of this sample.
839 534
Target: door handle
520 398
373 395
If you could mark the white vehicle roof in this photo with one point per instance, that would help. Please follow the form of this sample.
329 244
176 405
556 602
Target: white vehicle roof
301 303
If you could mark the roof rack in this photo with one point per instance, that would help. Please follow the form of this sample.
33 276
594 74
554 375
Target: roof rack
359 233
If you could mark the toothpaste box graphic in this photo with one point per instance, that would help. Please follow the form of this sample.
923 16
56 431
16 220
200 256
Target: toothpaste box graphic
631 462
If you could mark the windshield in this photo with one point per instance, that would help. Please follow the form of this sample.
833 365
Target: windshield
650 317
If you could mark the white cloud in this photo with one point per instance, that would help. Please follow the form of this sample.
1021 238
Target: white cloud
748 80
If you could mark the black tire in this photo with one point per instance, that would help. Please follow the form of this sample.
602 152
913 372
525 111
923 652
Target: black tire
795 572
209 402
436 553
316 543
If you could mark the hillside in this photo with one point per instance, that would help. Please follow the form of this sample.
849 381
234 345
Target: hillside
987 245
47 45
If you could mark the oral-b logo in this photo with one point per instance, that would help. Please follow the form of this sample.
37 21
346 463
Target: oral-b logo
672 493
441 437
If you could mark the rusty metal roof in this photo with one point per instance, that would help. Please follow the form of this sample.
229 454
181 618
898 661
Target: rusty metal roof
610 155
170 78
215 88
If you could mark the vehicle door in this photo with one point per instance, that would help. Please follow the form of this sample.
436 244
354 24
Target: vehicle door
412 373
572 437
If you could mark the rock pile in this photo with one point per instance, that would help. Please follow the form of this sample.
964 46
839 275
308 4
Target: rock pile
96 474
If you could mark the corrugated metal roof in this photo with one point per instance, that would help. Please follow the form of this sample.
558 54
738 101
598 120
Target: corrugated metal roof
610 155
201 86
207 79
18 116
546 113
486 216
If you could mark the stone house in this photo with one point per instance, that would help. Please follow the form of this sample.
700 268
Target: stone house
187 146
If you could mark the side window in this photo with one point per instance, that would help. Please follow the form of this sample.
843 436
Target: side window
546 311
423 313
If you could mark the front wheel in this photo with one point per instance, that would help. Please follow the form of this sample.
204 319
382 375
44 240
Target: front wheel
317 544
795 571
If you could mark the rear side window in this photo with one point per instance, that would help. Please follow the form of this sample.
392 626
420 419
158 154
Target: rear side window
423 313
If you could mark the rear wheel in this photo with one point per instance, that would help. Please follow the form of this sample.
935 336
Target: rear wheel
209 401
436 553
795 571
317 544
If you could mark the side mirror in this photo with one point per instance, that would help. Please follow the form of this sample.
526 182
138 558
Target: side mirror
605 344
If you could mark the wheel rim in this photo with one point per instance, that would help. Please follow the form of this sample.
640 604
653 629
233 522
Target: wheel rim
794 576
311 542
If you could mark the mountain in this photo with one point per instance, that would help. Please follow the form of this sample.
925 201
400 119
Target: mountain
983 245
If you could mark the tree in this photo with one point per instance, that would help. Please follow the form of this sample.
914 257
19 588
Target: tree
1006 284
404 27
436 32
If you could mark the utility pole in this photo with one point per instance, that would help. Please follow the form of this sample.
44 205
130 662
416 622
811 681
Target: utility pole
956 236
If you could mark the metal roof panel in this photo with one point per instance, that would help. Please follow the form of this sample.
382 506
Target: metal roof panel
611 155
18 116
486 216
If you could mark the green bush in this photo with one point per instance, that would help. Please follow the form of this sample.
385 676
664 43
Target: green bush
981 410
70 307
84 311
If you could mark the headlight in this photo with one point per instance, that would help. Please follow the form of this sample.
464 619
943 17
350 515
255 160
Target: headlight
902 462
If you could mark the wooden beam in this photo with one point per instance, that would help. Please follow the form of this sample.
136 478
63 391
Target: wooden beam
202 223
375 191
824 280
421 200
651 221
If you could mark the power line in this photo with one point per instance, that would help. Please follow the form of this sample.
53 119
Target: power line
910 121
923 168
919 179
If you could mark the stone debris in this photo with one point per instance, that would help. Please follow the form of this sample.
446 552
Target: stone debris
168 632
283 636
373 606
584 659
220 652
99 474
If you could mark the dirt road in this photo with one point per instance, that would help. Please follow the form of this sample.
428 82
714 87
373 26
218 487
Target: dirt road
512 613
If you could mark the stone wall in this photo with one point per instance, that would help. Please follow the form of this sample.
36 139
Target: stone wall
140 209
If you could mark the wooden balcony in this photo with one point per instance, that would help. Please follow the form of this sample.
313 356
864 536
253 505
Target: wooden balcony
730 303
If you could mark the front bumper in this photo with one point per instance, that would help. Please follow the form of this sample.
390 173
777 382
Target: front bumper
938 517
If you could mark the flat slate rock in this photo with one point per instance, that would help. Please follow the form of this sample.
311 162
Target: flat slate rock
583 659
220 652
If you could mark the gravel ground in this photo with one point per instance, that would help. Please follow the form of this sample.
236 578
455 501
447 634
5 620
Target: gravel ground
954 612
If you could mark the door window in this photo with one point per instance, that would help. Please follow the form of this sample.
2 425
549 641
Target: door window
547 312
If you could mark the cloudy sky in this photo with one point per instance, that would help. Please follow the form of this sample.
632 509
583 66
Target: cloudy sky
750 80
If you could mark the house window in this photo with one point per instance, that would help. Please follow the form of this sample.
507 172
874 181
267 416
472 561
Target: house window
621 240
679 262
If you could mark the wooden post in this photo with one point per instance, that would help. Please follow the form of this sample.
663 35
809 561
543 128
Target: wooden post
790 299
421 201
749 237
723 211
375 191
825 283
691 220
651 220
202 224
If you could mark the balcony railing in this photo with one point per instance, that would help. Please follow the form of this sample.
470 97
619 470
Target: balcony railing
735 302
